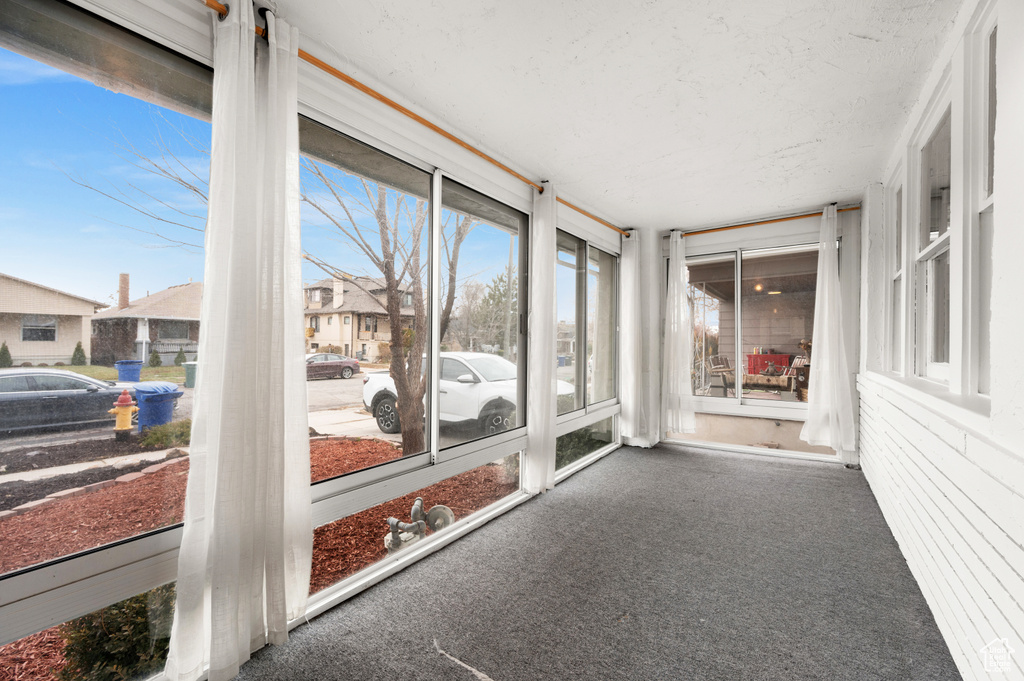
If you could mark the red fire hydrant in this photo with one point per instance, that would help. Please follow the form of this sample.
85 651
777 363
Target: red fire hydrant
123 410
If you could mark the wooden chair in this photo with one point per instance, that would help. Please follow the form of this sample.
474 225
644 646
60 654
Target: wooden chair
719 367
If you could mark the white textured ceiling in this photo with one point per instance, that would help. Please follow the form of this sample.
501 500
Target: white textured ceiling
660 113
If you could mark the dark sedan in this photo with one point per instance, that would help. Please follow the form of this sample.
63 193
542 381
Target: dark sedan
329 365
44 398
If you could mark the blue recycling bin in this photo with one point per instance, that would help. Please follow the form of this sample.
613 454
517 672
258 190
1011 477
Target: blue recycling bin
129 370
156 403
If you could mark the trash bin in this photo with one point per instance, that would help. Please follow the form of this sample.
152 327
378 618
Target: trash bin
190 374
129 370
561 360
156 403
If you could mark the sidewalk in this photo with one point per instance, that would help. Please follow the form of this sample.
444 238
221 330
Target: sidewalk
115 461
351 421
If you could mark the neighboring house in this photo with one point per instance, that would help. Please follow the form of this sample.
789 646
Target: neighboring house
167 321
350 315
42 325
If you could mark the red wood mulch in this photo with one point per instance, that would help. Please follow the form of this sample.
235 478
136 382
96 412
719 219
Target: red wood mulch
341 548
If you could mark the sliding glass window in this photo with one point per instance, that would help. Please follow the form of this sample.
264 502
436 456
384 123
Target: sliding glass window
586 293
482 379
712 294
570 285
365 233
602 325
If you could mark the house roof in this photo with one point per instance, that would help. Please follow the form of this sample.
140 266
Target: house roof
95 303
177 302
355 299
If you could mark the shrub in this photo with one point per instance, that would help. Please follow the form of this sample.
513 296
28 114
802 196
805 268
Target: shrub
575 445
167 435
5 356
59 364
78 356
385 353
180 358
127 640
154 359
26 364
336 349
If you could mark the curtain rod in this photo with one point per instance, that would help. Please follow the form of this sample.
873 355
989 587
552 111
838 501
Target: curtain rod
367 90
761 222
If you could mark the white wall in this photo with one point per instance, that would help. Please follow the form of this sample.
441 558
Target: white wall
947 468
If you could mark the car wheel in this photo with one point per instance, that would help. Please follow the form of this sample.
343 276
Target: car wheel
386 413
497 421
346 372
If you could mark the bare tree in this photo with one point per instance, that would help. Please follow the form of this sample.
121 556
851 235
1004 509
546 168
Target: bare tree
391 239
392 242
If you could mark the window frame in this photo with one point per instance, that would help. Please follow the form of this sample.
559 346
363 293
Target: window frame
39 326
589 412
793 234
963 89
896 267
924 256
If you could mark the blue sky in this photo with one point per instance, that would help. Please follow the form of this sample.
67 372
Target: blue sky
55 127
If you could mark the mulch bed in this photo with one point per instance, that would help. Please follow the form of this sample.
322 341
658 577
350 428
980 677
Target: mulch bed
156 500
20 492
34 458
350 544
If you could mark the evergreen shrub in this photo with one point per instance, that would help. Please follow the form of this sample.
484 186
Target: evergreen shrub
127 640
5 356
78 356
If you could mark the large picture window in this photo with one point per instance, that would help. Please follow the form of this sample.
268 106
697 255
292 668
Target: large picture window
39 327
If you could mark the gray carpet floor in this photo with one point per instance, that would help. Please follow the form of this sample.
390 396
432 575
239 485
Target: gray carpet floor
669 563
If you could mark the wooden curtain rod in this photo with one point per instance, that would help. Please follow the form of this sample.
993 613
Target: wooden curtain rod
367 90
762 222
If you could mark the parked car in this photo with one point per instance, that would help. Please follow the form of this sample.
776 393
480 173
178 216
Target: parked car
475 386
45 398
330 365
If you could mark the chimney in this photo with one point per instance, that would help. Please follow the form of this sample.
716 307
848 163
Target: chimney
122 292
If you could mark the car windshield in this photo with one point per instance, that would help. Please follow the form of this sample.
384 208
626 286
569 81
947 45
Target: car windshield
493 368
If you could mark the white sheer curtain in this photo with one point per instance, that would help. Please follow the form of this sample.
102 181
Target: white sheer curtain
635 418
830 417
244 563
539 469
677 388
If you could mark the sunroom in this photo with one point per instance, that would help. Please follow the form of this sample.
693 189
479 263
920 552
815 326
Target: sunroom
746 246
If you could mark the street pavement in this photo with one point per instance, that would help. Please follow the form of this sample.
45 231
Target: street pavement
335 408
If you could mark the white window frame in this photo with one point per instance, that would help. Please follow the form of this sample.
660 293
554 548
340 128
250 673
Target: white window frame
896 269
795 234
978 199
923 255
962 88
590 412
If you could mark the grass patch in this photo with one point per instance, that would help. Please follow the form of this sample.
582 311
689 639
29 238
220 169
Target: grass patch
174 374
168 435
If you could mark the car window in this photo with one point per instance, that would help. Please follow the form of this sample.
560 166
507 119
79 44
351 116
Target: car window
451 369
14 384
494 368
316 358
333 358
59 383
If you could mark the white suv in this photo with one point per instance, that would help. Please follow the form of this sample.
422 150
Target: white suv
475 386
